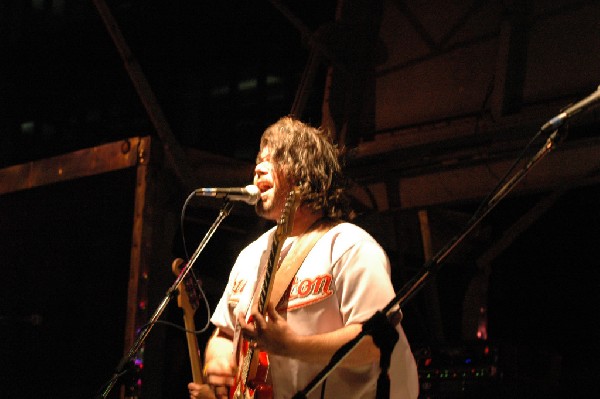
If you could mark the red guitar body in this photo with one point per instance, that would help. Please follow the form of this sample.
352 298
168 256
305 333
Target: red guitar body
255 386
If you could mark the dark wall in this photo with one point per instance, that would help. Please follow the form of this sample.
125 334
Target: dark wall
542 304
544 297
64 259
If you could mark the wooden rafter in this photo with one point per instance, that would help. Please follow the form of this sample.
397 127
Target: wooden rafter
173 151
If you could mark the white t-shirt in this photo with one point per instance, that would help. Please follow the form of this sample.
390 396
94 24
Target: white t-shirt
344 280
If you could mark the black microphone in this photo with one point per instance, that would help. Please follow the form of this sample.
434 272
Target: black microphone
572 110
248 194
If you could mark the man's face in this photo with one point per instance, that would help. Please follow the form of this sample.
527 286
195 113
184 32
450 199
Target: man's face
273 186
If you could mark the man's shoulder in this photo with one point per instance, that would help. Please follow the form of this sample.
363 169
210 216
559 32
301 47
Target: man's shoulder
346 235
350 233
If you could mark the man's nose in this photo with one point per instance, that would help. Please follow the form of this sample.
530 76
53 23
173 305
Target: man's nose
260 169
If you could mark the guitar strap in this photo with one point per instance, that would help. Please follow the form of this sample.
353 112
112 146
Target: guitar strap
295 257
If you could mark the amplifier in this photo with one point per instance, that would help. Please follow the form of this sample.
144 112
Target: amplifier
466 371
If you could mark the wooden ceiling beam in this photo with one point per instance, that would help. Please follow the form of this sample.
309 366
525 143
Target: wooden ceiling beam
575 163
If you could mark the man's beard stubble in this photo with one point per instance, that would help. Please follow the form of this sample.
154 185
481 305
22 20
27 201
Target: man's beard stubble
272 209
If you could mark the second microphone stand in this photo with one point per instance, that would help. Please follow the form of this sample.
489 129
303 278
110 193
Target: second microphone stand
141 338
381 324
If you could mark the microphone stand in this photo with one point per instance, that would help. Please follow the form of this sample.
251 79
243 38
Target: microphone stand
382 322
141 338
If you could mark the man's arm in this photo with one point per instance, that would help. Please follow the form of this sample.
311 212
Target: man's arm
219 362
321 347
219 369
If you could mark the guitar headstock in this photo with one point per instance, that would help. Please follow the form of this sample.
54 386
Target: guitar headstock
286 220
189 297
189 300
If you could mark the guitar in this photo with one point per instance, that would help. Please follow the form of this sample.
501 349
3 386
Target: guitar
251 379
188 301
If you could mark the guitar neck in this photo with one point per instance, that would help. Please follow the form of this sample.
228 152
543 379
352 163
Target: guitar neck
249 360
193 349
188 302
267 286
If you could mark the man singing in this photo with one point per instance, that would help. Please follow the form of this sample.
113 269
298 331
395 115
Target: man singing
343 280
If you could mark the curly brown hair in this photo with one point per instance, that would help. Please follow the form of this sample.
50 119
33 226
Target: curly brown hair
307 156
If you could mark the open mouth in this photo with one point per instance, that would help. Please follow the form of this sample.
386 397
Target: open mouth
264 188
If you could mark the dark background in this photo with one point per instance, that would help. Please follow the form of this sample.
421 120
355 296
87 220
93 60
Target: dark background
64 85
222 71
